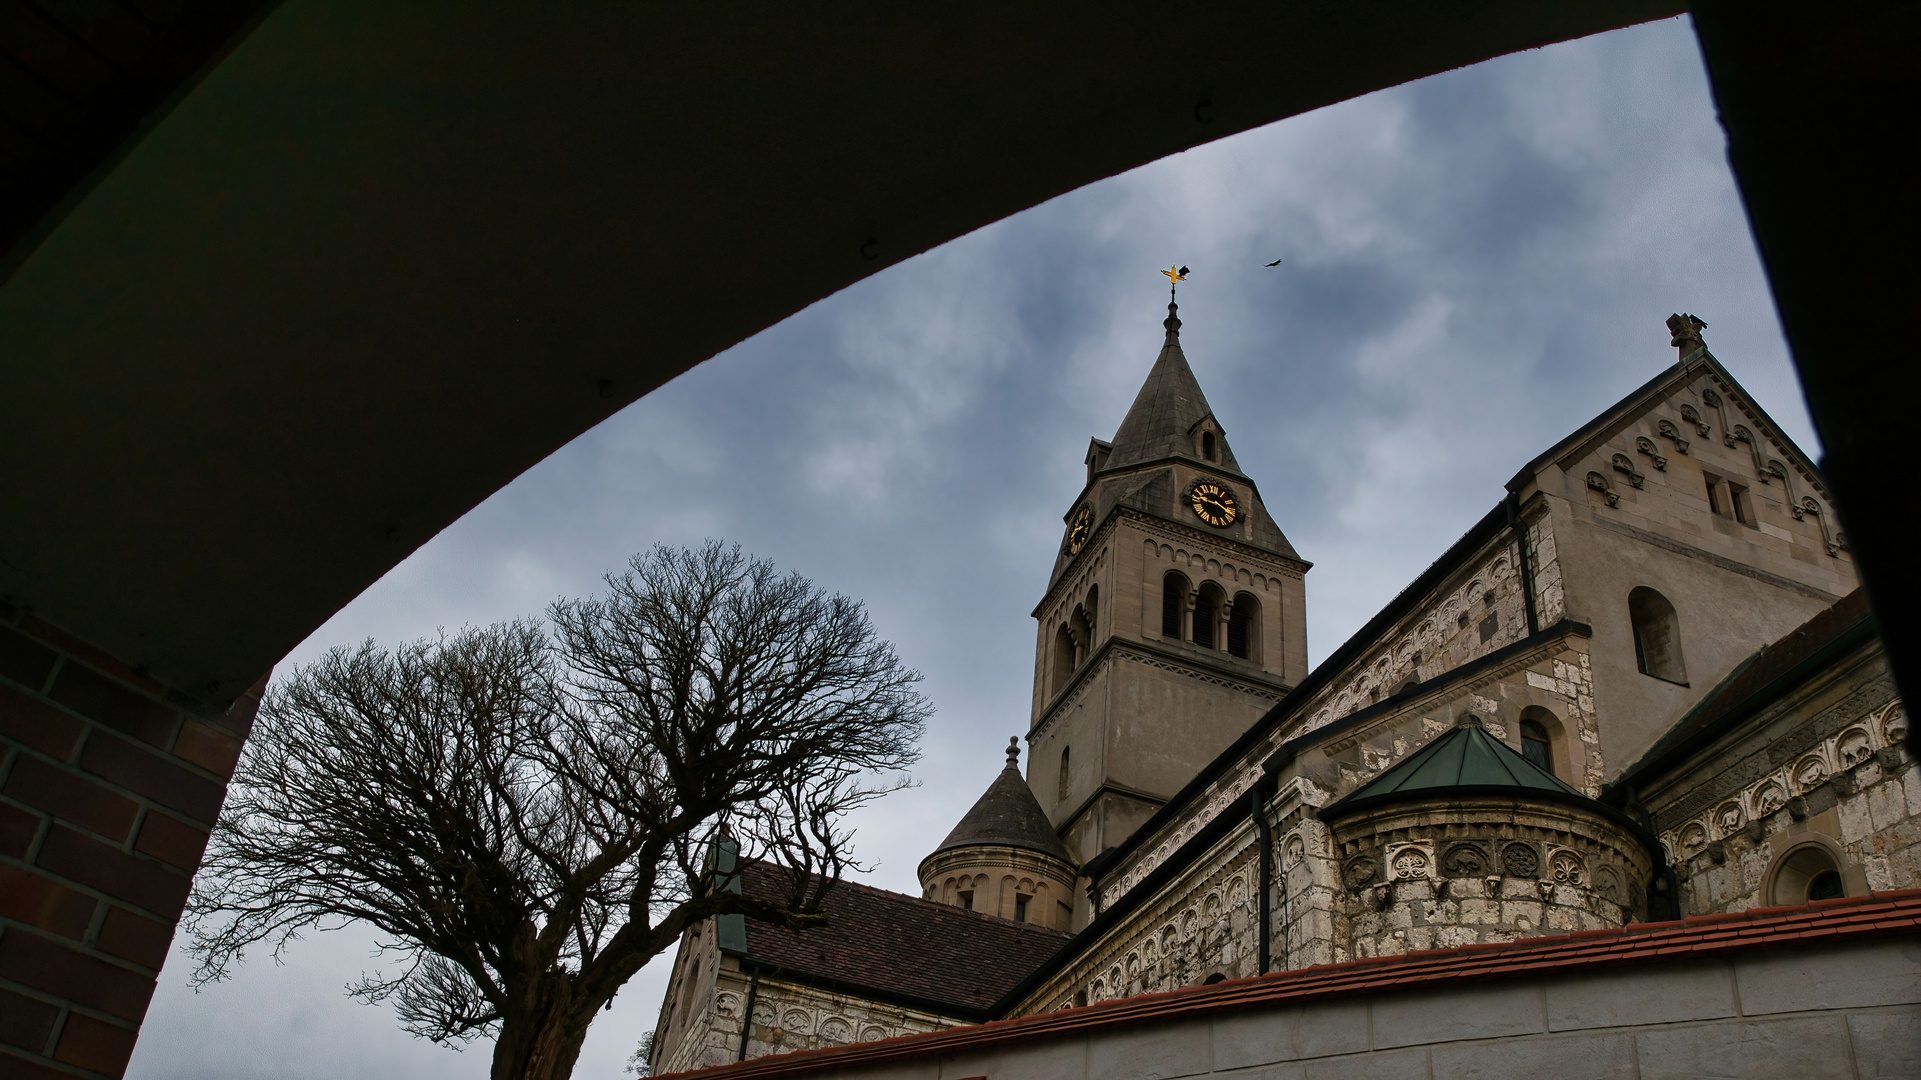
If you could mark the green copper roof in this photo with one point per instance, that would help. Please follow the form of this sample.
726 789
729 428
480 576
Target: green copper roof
1463 761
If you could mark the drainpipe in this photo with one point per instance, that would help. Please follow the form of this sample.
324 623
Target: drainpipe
747 1015
1527 564
1264 837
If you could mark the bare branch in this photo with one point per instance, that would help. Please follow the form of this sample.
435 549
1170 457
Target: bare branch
528 819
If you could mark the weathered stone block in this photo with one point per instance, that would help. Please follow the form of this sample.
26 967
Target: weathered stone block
1291 1034
1578 1057
1800 1048
1637 995
1051 1059
1886 972
1481 1012
1886 1044
1402 1065
1149 1053
1887 805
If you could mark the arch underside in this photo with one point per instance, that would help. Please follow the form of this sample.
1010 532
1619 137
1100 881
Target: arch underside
552 184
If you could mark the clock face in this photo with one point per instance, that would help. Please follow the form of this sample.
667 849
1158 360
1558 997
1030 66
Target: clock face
1080 530
1213 504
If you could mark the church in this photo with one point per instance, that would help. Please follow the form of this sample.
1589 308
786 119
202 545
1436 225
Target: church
1633 731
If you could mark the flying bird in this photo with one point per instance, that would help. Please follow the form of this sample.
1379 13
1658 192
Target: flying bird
1276 262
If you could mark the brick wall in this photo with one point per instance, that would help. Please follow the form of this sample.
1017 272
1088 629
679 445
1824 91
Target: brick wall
107 792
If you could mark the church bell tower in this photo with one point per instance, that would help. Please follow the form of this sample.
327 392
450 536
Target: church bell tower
1173 620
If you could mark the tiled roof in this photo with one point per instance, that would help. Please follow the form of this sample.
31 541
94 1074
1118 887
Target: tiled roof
1758 680
897 946
1697 937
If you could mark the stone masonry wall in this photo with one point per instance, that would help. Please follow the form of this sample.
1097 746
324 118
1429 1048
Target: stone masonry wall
1427 876
788 1017
1203 925
1858 787
107 793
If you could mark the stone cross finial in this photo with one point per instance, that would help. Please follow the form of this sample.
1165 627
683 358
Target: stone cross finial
1013 751
1686 333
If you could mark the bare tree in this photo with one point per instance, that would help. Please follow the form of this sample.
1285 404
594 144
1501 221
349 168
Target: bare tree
526 817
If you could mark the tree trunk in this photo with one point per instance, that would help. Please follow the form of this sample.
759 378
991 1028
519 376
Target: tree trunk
543 1042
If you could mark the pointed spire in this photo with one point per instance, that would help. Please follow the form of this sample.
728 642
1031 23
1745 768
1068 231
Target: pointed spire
1162 420
1007 814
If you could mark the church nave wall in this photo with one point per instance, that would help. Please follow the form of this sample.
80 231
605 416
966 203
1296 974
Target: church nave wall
1478 609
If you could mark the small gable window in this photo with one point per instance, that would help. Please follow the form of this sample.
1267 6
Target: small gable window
1657 636
1207 445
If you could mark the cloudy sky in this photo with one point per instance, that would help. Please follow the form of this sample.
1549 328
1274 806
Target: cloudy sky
1475 264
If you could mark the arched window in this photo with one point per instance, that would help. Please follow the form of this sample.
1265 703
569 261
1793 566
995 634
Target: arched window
1207 611
1060 786
1657 636
1207 445
1173 597
1244 627
1542 742
1805 873
1536 747
1082 629
1063 658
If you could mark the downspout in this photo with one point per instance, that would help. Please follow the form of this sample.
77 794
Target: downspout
1526 561
747 1015
1264 836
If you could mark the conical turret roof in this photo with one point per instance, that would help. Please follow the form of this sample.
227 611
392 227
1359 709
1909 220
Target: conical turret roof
1007 814
1161 422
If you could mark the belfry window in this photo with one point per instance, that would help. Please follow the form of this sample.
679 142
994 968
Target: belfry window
1173 598
1657 636
1060 788
1207 611
1535 746
1244 627
1063 657
1207 445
